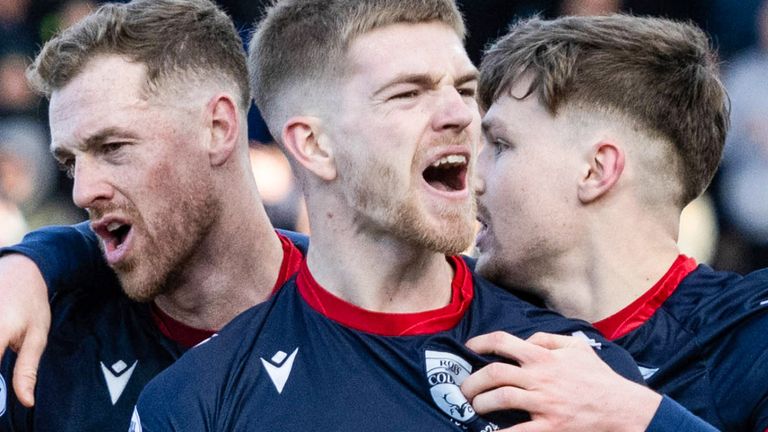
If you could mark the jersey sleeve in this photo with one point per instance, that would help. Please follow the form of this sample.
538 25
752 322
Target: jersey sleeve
68 256
672 417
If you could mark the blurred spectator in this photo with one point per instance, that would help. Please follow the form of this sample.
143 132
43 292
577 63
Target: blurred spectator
12 223
278 188
27 172
744 172
699 233
16 32
15 95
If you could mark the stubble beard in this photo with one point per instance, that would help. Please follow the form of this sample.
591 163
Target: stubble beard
383 206
160 258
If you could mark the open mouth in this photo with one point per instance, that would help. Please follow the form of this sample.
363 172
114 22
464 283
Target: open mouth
115 236
448 174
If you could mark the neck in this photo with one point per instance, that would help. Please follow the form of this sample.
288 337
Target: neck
374 270
235 267
613 267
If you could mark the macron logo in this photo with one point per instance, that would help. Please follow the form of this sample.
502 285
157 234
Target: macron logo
583 336
117 377
279 368
647 372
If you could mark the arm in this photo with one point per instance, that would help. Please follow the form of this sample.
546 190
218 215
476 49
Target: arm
50 260
66 256
25 318
673 417
565 386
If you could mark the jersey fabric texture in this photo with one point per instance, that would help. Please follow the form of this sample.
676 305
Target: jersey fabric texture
103 347
700 336
307 360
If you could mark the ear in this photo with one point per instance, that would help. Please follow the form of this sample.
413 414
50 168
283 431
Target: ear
605 166
303 139
225 128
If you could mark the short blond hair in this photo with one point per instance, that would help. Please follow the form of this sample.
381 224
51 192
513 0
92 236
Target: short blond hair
300 44
172 38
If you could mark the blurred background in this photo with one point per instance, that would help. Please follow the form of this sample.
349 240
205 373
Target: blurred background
727 227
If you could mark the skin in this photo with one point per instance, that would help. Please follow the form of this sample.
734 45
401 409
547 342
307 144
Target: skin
175 167
554 193
408 124
563 236
128 155
407 100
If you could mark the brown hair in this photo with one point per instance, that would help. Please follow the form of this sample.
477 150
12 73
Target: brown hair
659 73
192 38
300 44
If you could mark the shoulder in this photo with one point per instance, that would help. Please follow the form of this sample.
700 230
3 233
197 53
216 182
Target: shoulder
197 391
497 309
737 367
708 297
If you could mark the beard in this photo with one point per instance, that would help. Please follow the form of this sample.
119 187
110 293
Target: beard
386 205
160 255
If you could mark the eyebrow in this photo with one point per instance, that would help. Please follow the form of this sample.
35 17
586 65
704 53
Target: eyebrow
424 80
92 141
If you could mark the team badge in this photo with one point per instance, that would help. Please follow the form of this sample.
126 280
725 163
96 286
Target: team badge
445 373
3 396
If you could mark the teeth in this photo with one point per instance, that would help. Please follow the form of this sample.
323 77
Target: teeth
113 226
450 159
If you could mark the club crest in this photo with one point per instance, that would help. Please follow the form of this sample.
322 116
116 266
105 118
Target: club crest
445 373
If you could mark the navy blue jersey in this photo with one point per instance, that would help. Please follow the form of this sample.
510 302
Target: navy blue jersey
307 360
704 343
102 347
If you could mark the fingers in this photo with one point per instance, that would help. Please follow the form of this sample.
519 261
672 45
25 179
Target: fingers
508 346
554 341
493 376
504 398
27 362
531 426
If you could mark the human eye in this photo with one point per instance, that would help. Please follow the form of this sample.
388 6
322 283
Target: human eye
67 165
499 146
112 147
467 91
405 94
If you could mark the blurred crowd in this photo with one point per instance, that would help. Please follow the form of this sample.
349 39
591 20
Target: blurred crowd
727 227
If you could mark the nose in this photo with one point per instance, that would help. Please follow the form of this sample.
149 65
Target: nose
479 182
481 168
90 183
454 111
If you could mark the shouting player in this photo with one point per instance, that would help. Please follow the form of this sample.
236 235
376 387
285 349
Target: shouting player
375 102
148 103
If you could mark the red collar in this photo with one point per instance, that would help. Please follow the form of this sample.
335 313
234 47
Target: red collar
640 310
386 324
188 337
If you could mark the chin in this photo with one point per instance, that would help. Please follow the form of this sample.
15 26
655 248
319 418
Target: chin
139 289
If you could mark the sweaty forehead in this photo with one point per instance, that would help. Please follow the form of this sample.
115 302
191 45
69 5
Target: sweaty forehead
425 48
